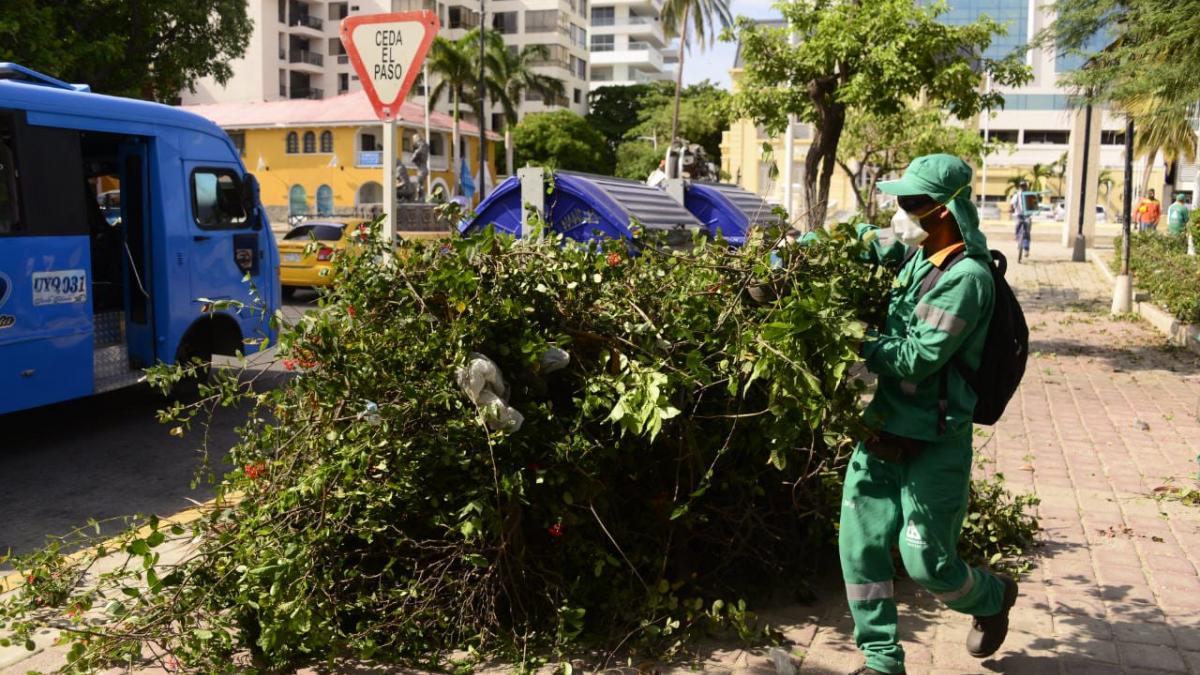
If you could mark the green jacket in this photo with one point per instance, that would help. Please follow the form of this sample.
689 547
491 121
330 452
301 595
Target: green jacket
1177 218
920 338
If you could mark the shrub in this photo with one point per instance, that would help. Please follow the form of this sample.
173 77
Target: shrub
1161 266
688 457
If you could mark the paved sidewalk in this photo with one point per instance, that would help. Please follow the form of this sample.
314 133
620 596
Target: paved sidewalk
1105 415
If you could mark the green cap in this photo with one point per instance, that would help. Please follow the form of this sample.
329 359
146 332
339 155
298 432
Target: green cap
947 179
1179 196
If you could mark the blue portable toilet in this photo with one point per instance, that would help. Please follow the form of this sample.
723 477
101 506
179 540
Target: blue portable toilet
726 209
583 207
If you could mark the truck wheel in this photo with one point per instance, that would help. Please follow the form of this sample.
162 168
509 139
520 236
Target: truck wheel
189 386
287 292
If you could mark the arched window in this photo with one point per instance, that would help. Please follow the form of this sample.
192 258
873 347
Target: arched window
326 141
370 193
310 142
293 143
325 200
297 201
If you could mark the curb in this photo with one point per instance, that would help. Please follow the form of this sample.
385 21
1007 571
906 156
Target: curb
1180 334
15 580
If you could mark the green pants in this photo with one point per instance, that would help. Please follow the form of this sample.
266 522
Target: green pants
918 505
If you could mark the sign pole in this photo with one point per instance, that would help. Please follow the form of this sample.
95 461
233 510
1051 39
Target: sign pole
387 51
389 181
428 139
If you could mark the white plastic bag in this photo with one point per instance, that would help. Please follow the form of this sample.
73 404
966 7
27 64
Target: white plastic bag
553 359
484 385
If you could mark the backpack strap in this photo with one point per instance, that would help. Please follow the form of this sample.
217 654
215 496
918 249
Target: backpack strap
927 285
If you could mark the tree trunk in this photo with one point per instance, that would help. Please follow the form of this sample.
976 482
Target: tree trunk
508 148
854 176
455 158
678 89
822 154
1168 192
1146 173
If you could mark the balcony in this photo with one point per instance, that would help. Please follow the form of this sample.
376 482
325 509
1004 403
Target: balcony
343 59
304 57
641 55
307 92
308 21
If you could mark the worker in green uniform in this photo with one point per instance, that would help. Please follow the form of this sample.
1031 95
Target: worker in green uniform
908 485
1177 216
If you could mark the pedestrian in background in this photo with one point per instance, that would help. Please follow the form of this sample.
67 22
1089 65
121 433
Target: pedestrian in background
1177 216
1020 211
1149 210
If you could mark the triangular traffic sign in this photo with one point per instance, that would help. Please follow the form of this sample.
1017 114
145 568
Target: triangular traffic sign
387 51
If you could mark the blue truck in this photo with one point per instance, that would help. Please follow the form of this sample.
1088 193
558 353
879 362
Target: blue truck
130 235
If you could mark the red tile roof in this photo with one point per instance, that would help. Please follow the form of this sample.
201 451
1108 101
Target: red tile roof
347 109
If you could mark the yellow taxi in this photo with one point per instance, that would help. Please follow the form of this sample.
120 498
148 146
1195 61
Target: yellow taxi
303 267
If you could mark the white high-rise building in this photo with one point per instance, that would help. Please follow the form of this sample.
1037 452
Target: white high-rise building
627 43
296 51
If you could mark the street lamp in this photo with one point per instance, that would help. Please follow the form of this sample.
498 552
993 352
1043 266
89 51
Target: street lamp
653 140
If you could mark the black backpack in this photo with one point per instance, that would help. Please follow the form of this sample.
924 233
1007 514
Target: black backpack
1005 350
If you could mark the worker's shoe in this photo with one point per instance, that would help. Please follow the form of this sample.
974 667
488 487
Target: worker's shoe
988 632
867 670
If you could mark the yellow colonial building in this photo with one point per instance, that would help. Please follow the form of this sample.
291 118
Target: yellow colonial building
325 157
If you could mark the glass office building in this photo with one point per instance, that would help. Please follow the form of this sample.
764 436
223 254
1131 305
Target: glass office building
1012 14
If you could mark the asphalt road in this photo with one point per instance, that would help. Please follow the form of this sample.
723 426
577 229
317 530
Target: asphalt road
102 457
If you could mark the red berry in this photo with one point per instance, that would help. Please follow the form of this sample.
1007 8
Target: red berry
254 471
351 311
289 364
614 259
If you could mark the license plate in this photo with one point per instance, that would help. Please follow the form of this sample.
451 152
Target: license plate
291 257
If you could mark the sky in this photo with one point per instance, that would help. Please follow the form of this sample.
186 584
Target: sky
713 63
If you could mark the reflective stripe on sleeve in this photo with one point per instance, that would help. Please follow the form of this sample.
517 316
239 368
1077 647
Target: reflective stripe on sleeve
962 591
878 590
940 319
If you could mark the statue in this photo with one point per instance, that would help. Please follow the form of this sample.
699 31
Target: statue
420 160
405 190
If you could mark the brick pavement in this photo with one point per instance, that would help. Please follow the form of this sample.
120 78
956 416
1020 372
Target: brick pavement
1105 415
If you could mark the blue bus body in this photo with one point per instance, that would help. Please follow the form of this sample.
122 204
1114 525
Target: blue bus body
178 261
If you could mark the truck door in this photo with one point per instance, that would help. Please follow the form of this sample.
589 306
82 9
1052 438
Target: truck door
133 160
228 243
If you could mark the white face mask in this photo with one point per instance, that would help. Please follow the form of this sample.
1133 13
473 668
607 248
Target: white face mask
907 230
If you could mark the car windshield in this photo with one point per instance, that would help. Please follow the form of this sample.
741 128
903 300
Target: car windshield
321 231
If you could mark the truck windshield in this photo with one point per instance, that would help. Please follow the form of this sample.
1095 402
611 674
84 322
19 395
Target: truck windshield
319 231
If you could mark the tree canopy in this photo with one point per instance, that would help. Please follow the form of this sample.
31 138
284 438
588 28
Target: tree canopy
873 56
559 140
874 146
629 120
1136 48
151 50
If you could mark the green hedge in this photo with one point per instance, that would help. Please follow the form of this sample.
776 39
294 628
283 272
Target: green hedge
687 459
1161 266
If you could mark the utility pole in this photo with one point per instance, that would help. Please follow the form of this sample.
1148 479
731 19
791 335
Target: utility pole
987 114
1123 291
789 148
1080 252
482 109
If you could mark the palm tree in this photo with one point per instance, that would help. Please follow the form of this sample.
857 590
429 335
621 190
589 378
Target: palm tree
509 76
675 15
1014 183
1038 173
1104 184
1161 127
456 64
